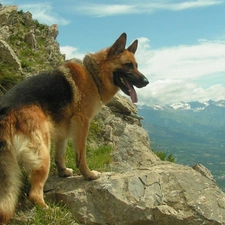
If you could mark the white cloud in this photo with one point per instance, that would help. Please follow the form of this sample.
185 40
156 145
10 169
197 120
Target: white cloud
185 61
181 73
71 52
141 6
44 13
101 10
193 4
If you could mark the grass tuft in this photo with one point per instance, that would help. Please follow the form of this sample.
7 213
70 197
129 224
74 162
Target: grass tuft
97 159
55 215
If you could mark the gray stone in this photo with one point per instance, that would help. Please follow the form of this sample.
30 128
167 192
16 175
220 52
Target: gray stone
30 39
203 170
122 105
131 142
53 31
27 19
7 14
8 56
164 193
4 33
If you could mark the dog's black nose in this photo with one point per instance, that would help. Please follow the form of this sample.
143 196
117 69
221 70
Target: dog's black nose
145 81
142 81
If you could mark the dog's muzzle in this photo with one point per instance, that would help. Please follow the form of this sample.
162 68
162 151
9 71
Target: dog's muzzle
142 82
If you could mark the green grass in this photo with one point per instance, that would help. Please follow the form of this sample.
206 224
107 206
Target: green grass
8 78
164 156
100 158
55 215
97 159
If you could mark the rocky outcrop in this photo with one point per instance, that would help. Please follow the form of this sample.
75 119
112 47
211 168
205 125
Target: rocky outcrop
7 14
141 189
26 47
122 129
163 193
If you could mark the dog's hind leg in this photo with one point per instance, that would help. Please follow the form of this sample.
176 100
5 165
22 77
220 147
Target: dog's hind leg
38 177
35 159
60 152
79 142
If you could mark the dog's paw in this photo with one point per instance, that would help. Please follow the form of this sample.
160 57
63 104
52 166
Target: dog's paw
93 175
67 172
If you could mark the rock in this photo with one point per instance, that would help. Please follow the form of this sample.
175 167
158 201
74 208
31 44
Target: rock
4 33
132 149
204 171
53 31
123 131
27 19
7 14
31 40
163 193
8 55
122 105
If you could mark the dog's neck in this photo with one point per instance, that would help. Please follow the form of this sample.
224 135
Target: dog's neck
98 73
93 70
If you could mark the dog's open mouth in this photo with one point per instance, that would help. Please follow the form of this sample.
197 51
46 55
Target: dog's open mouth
126 87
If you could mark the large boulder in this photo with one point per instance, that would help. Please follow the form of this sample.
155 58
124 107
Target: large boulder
161 194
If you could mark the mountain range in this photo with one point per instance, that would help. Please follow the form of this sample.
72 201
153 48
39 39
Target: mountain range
193 132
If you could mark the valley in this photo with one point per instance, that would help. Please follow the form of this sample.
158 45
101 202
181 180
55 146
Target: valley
193 132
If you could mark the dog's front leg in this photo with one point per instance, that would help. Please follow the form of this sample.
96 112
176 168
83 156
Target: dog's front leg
60 150
79 143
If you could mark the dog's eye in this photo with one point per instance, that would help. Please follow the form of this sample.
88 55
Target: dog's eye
129 65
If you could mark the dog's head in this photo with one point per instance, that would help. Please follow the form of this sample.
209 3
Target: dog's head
125 68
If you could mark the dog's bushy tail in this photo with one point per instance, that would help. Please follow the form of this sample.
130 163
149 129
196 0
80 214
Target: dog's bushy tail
10 182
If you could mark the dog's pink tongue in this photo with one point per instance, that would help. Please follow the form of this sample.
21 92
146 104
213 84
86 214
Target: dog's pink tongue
133 94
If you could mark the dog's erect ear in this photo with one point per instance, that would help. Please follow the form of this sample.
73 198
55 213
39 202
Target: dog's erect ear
119 46
133 47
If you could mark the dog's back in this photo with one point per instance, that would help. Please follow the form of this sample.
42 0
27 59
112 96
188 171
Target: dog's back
50 91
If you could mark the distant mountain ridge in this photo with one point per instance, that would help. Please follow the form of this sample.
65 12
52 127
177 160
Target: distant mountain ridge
194 106
194 132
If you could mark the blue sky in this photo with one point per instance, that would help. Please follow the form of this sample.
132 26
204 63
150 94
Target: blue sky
181 43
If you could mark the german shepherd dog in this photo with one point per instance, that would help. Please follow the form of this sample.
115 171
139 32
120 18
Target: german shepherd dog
56 106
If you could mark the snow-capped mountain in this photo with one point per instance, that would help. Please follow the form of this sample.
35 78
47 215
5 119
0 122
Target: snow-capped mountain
193 106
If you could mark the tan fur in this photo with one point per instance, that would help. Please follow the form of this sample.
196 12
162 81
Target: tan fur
25 131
